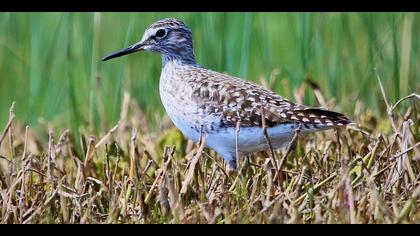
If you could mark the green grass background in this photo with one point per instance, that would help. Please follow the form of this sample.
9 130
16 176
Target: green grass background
50 62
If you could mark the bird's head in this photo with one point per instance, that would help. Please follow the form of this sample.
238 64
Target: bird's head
170 37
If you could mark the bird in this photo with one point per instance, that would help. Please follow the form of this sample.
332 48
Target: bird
235 116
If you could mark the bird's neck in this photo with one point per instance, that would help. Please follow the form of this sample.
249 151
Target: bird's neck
184 55
171 58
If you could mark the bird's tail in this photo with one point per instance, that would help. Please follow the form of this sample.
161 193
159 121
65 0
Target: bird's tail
320 118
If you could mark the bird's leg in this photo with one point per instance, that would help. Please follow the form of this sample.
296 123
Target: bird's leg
200 140
232 172
238 128
233 159
231 165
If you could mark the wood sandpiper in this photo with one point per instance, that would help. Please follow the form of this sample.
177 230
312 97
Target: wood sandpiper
200 101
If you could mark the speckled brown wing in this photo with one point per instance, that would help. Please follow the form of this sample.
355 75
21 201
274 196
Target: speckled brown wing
236 99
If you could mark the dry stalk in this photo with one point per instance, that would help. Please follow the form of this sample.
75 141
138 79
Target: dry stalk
192 165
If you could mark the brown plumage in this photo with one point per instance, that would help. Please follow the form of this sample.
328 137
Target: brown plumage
237 99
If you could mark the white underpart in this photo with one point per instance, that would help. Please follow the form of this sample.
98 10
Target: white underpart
250 139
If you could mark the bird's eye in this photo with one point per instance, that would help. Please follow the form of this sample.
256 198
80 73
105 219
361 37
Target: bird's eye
160 33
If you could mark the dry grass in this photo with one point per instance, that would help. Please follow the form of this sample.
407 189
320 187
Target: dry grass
361 174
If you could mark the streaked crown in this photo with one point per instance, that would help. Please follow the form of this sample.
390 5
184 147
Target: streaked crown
168 22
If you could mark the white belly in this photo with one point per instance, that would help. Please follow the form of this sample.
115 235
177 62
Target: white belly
223 140
189 129
250 139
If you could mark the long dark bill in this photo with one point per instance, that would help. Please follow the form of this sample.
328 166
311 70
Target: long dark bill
133 48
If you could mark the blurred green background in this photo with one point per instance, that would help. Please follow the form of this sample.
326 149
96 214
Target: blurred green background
50 62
